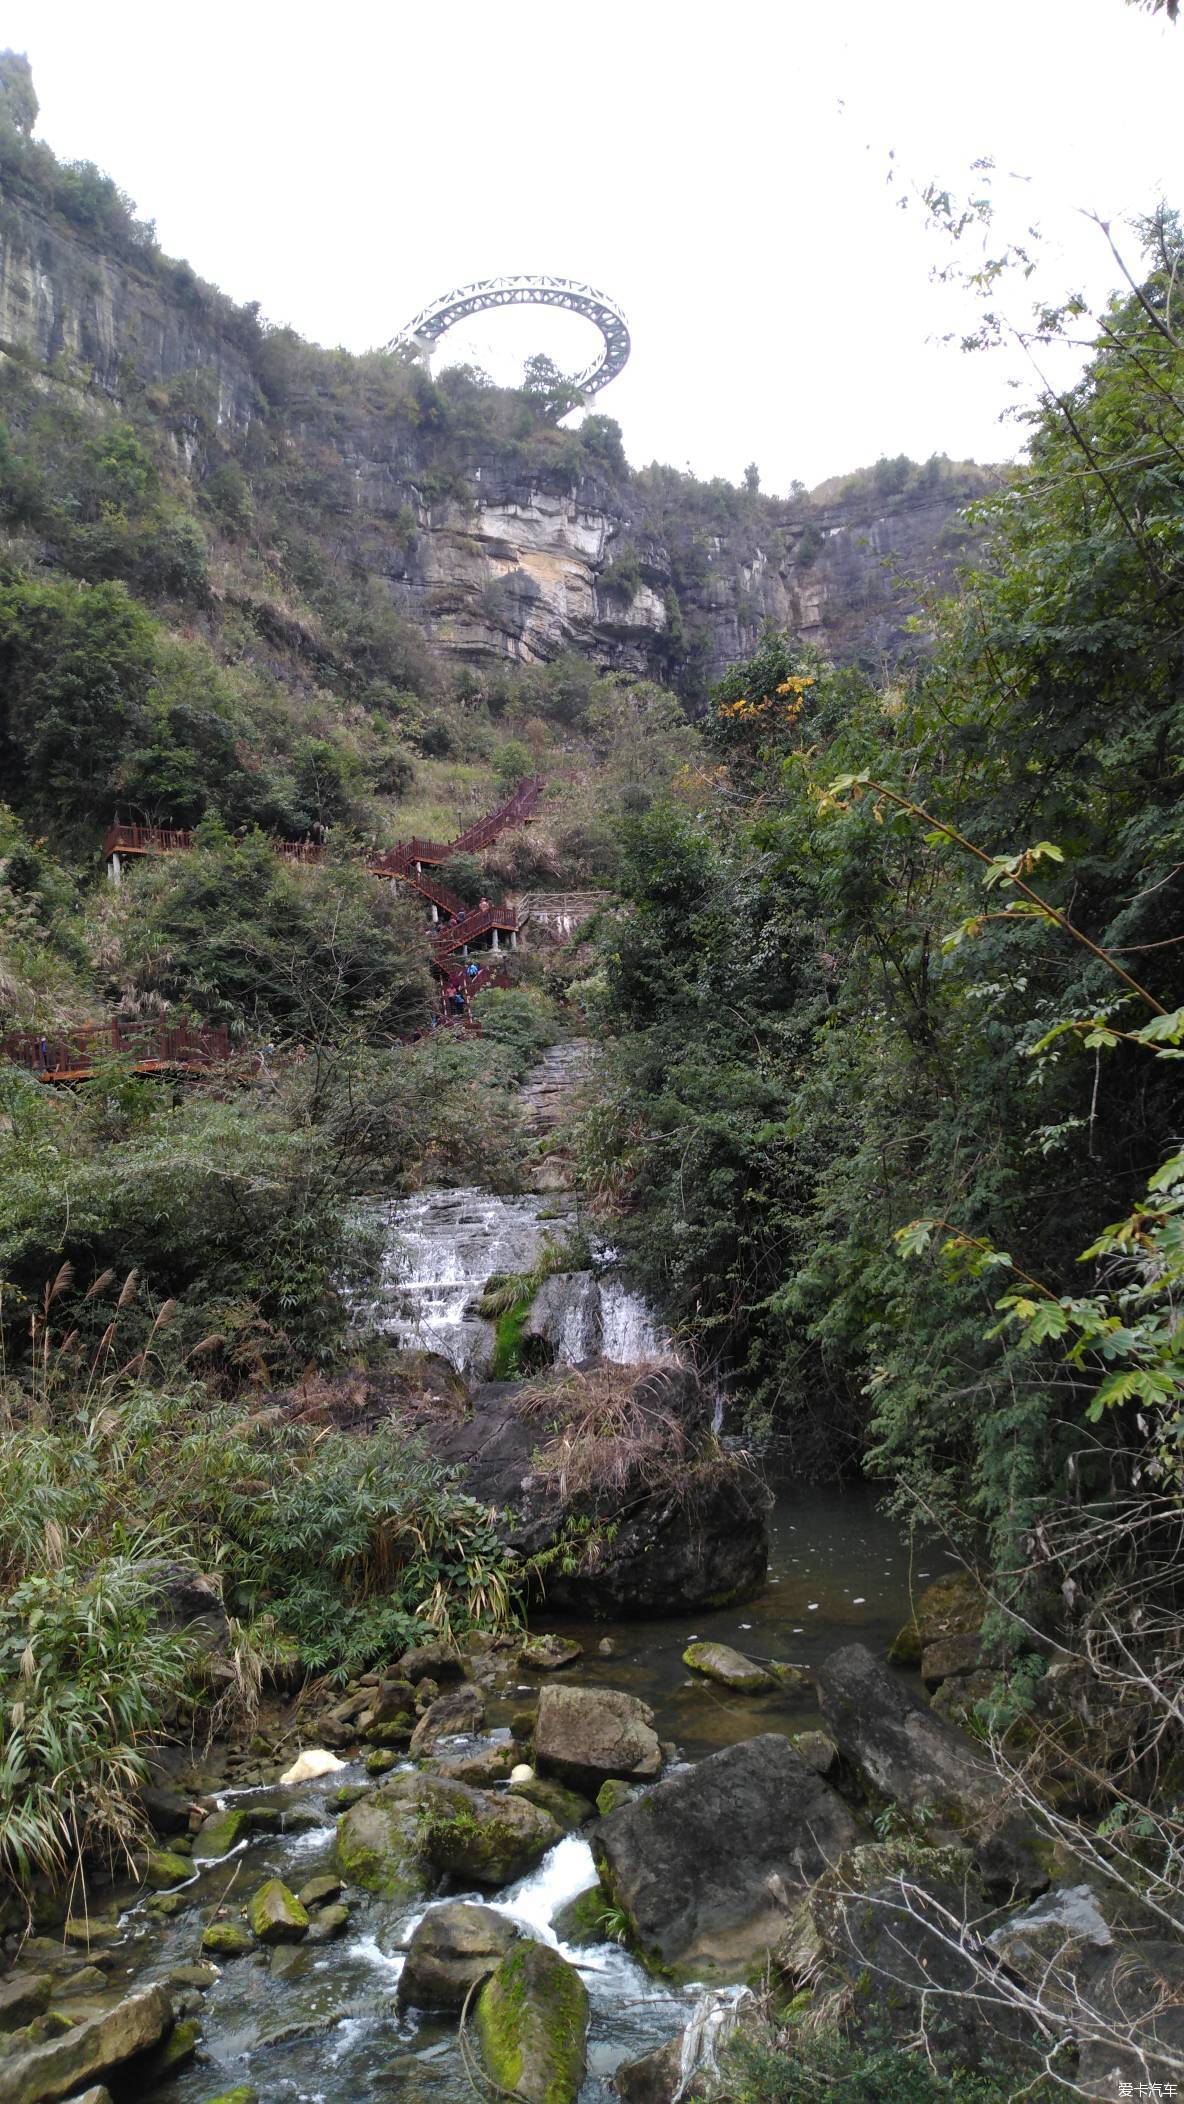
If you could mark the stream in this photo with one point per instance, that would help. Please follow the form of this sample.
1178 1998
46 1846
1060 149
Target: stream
318 2024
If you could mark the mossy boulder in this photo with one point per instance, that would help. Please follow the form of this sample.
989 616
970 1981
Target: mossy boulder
730 1668
221 1832
566 1807
379 1840
952 1606
613 1794
474 1834
549 1654
453 1948
227 1939
532 2023
242 2095
275 1915
494 1764
319 1892
817 1749
580 1921
164 1869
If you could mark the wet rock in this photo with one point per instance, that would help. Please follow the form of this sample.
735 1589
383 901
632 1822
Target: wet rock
379 1843
221 1832
97 2047
532 2023
176 2052
382 1760
566 1807
584 1735
287 1959
242 2095
23 1995
348 1794
199 1977
606 1647
164 1869
547 1654
85 1981
329 1923
817 1749
275 1915
952 1606
949 1655
396 1732
439 1662
167 1811
88 1929
495 1764
580 1921
706 1864
97 2095
613 1794
491 1839
319 1892
730 1668
451 1715
451 1949
227 1939
914 1760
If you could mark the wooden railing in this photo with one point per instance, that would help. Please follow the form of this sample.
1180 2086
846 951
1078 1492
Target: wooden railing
152 1048
146 840
469 925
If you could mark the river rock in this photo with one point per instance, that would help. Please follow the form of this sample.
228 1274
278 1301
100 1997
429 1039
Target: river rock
378 1840
548 1654
613 1794
494 1764
218 1834
23 1995
730 1668
227 1939
275 1915
580 1921
584 1735
319 1892
489 1839
167 1811
817 1749
949 1657
452 1948
935 1775
566 1807
952 1606
532 2022
656 2078
163 1869
95 2047
438 1662
450 1716
706 1864
329 1923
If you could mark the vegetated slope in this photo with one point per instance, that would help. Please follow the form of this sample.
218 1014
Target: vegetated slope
905 951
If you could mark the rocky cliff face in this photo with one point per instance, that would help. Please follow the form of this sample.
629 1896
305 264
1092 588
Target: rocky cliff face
501 562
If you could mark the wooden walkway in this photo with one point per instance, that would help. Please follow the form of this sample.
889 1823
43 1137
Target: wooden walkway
184 1049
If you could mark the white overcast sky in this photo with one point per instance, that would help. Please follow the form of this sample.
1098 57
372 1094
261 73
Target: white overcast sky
720 170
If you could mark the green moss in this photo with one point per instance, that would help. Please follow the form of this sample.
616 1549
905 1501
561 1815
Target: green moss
532 2020
507 1350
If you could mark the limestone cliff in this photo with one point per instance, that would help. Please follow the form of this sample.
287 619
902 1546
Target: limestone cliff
498 547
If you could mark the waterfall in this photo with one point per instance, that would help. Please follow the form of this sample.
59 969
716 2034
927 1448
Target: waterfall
443 1246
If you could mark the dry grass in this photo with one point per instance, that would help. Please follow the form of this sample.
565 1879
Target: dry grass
613 1429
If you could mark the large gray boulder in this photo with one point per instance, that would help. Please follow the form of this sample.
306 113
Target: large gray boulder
911 1759
456 1712
706 1865
532 2021
379 1841
585 1735
99 2046
451 1949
